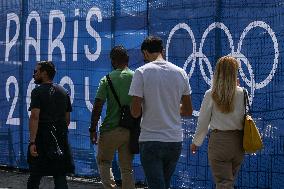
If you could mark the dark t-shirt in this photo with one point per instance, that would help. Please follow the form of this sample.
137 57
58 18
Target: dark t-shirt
52 100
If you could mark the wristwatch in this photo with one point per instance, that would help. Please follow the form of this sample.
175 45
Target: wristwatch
92 129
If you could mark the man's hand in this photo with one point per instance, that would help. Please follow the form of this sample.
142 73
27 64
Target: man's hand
96 113
193 148
33 150
93 137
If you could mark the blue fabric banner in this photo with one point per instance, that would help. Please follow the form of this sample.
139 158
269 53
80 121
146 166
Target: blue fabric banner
78 36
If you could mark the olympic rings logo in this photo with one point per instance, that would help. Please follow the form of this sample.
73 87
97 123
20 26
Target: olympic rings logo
235 53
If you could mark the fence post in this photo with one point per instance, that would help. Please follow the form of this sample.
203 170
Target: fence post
23 13
218 43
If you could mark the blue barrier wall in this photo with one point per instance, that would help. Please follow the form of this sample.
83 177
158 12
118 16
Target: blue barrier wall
78 35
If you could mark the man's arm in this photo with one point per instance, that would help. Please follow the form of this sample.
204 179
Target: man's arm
33 123
186 106
96 113
67 117
136 106
33 126
68 110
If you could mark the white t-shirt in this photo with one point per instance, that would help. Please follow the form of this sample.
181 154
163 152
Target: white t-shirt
210 117
161 84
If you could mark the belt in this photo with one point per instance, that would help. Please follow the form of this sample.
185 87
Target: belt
226 131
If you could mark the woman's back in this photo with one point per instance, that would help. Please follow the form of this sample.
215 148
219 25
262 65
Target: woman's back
232 120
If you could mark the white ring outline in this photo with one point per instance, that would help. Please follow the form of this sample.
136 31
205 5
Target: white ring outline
237 54
276 54
193 55
203 57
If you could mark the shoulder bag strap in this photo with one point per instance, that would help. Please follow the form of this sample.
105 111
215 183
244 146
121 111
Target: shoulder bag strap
52 105
52 128
112 90
246 101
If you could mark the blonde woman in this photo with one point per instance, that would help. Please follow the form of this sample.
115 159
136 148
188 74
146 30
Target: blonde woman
222 112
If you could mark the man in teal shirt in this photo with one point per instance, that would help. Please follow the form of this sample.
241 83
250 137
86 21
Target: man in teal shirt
112 137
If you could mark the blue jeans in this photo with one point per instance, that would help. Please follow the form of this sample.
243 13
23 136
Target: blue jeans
159 161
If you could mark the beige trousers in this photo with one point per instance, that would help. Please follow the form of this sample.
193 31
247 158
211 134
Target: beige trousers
225 155
109 142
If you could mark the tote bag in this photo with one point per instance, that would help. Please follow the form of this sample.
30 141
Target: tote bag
251 140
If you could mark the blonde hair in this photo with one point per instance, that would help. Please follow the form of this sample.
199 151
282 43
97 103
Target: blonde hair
225 83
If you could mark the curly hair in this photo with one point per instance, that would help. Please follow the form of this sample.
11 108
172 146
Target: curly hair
49 67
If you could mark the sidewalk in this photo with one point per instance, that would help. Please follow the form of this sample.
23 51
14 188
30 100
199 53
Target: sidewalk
18 180
12 179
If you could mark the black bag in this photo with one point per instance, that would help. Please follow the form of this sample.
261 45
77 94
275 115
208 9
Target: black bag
54 149
127 121
134 137
54 146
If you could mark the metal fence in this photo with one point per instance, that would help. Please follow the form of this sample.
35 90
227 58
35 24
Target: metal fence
77 36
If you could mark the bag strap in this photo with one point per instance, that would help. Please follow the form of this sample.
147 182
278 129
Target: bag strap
52 128
52 104
246 102
112 90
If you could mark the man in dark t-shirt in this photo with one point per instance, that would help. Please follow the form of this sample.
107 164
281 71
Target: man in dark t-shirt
49 153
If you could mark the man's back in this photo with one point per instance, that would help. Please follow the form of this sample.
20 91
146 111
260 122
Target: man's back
161 90
163 86
49 151
53 102
112 137
121 80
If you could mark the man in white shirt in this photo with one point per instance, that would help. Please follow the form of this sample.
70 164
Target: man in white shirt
161 90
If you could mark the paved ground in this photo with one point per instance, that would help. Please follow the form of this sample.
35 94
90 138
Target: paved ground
17 180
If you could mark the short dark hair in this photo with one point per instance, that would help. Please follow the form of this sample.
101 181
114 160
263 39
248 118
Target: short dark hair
119 54
152 44
49 67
